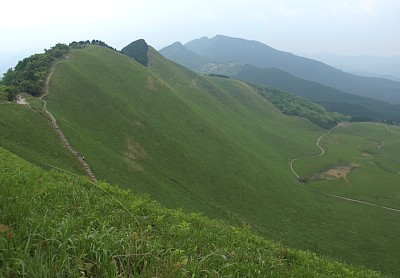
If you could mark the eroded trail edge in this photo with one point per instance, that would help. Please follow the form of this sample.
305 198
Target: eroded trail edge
58 130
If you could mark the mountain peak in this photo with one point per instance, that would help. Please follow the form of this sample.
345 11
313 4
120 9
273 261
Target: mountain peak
137 50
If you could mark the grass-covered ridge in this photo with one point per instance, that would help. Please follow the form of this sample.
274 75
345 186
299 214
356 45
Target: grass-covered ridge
60 225
206 144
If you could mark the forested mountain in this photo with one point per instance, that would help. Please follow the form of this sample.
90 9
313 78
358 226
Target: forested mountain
225 49
358 107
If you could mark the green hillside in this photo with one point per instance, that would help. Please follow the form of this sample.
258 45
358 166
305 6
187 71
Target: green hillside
27 131
211 145
66 226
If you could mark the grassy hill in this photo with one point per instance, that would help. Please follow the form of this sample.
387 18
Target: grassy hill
210 145
66 226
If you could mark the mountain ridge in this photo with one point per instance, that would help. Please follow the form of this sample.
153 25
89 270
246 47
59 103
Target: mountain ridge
224 49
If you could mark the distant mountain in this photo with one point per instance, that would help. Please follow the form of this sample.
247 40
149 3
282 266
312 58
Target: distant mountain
178 53
360 108
225 49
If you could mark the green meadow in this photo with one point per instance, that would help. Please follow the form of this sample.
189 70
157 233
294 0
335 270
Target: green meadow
215 146
67 226
374 150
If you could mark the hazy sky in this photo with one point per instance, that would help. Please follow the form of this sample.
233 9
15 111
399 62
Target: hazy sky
302 26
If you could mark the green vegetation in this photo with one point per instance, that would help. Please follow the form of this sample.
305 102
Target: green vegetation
217 75
299 106
81 44
66 226
137 50
29 75
211 145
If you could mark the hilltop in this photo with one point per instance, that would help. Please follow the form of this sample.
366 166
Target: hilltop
217 146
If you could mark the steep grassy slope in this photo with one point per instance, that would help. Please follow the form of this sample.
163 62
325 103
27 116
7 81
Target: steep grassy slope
65 226
211 145
183 142
27 132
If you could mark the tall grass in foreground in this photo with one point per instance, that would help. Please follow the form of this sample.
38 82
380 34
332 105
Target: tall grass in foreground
56 225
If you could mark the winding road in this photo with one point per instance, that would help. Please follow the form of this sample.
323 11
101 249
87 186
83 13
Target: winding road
58 130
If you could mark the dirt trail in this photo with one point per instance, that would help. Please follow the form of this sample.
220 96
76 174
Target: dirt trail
58 130
310 156
355 200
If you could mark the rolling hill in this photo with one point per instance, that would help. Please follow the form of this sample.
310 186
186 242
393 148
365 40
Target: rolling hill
223 49
210 145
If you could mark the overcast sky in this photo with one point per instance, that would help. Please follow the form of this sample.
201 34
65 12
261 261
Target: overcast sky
299 26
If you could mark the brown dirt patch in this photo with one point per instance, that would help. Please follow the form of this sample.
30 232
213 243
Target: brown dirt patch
134 152
341 172
150 84
136 123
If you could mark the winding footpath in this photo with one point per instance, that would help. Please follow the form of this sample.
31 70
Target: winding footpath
58 130
310 156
